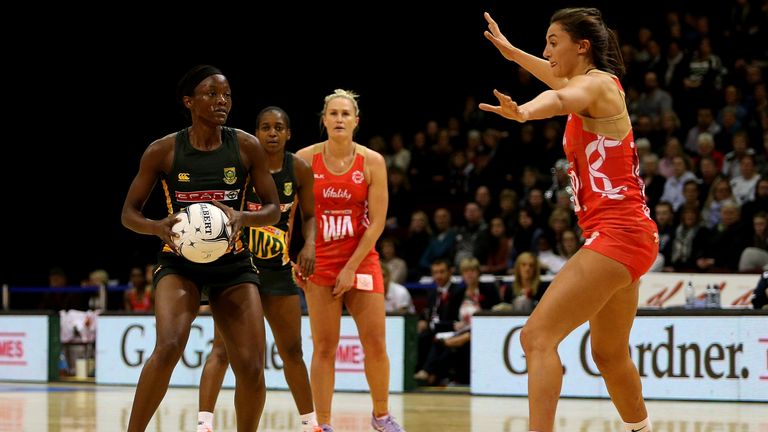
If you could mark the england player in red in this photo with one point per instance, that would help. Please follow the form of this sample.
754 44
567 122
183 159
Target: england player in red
582 65
350 209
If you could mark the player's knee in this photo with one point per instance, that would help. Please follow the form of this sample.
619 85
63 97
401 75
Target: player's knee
249 365
375 346
169 350
219 355
606 359
291 351
251 371
325 347
534 341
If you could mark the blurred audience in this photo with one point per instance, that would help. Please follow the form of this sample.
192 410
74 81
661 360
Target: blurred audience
527 288
397 267
139 297
397 298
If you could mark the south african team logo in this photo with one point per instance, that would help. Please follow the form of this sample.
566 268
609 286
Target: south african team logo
287 188
230 175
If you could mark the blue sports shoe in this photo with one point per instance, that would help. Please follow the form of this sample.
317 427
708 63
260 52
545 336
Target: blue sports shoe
326 428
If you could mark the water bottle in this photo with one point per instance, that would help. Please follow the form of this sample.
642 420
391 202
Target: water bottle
63 365
716 296
690 295
711 294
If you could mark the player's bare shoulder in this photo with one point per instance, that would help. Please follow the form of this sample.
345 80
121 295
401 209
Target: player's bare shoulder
160 149
372 157
597 81
307 153
374 163
246 140
163 144
299 163
250 147
609 100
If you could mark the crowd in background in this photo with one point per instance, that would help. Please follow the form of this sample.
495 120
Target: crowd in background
466 186
696 94
467 194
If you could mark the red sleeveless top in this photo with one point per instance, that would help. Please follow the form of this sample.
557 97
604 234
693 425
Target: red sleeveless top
341 215
608 191
140 304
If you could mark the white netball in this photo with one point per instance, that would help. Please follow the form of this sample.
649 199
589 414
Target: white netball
203 233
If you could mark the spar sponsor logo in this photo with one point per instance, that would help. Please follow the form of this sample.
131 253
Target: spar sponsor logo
207 195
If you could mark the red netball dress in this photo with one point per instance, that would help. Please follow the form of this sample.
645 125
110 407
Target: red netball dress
608 192
341 214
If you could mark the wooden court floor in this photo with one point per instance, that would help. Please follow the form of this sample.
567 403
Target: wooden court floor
88 407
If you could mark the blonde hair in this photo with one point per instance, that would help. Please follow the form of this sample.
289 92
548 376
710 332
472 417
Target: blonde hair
517 284
341 93
469 264
98 277
423 216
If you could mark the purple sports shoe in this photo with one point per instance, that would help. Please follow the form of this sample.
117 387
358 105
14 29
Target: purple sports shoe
326 428
387 424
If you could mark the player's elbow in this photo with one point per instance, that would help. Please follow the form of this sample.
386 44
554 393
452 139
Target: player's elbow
273 215
125 217
561 103
377 226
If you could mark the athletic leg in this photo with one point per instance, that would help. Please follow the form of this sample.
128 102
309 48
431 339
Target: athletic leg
176 303
369 313
610 329
325 322
240 321
576 294
213 374
284 316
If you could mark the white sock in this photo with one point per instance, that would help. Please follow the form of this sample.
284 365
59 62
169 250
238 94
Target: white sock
308 421
641 426
205 417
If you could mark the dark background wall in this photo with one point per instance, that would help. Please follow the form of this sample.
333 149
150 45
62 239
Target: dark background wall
87 91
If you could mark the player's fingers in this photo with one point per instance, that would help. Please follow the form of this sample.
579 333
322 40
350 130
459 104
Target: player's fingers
491 22
227 209
233 237
489 108
501 96
310 267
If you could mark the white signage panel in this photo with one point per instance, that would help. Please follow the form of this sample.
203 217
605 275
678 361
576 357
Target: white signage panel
24 348
678 357
124 343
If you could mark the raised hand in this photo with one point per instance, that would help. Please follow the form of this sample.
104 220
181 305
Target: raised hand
507 108
498 39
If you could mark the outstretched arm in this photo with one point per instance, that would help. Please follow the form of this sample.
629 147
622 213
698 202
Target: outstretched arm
575 97
539 67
